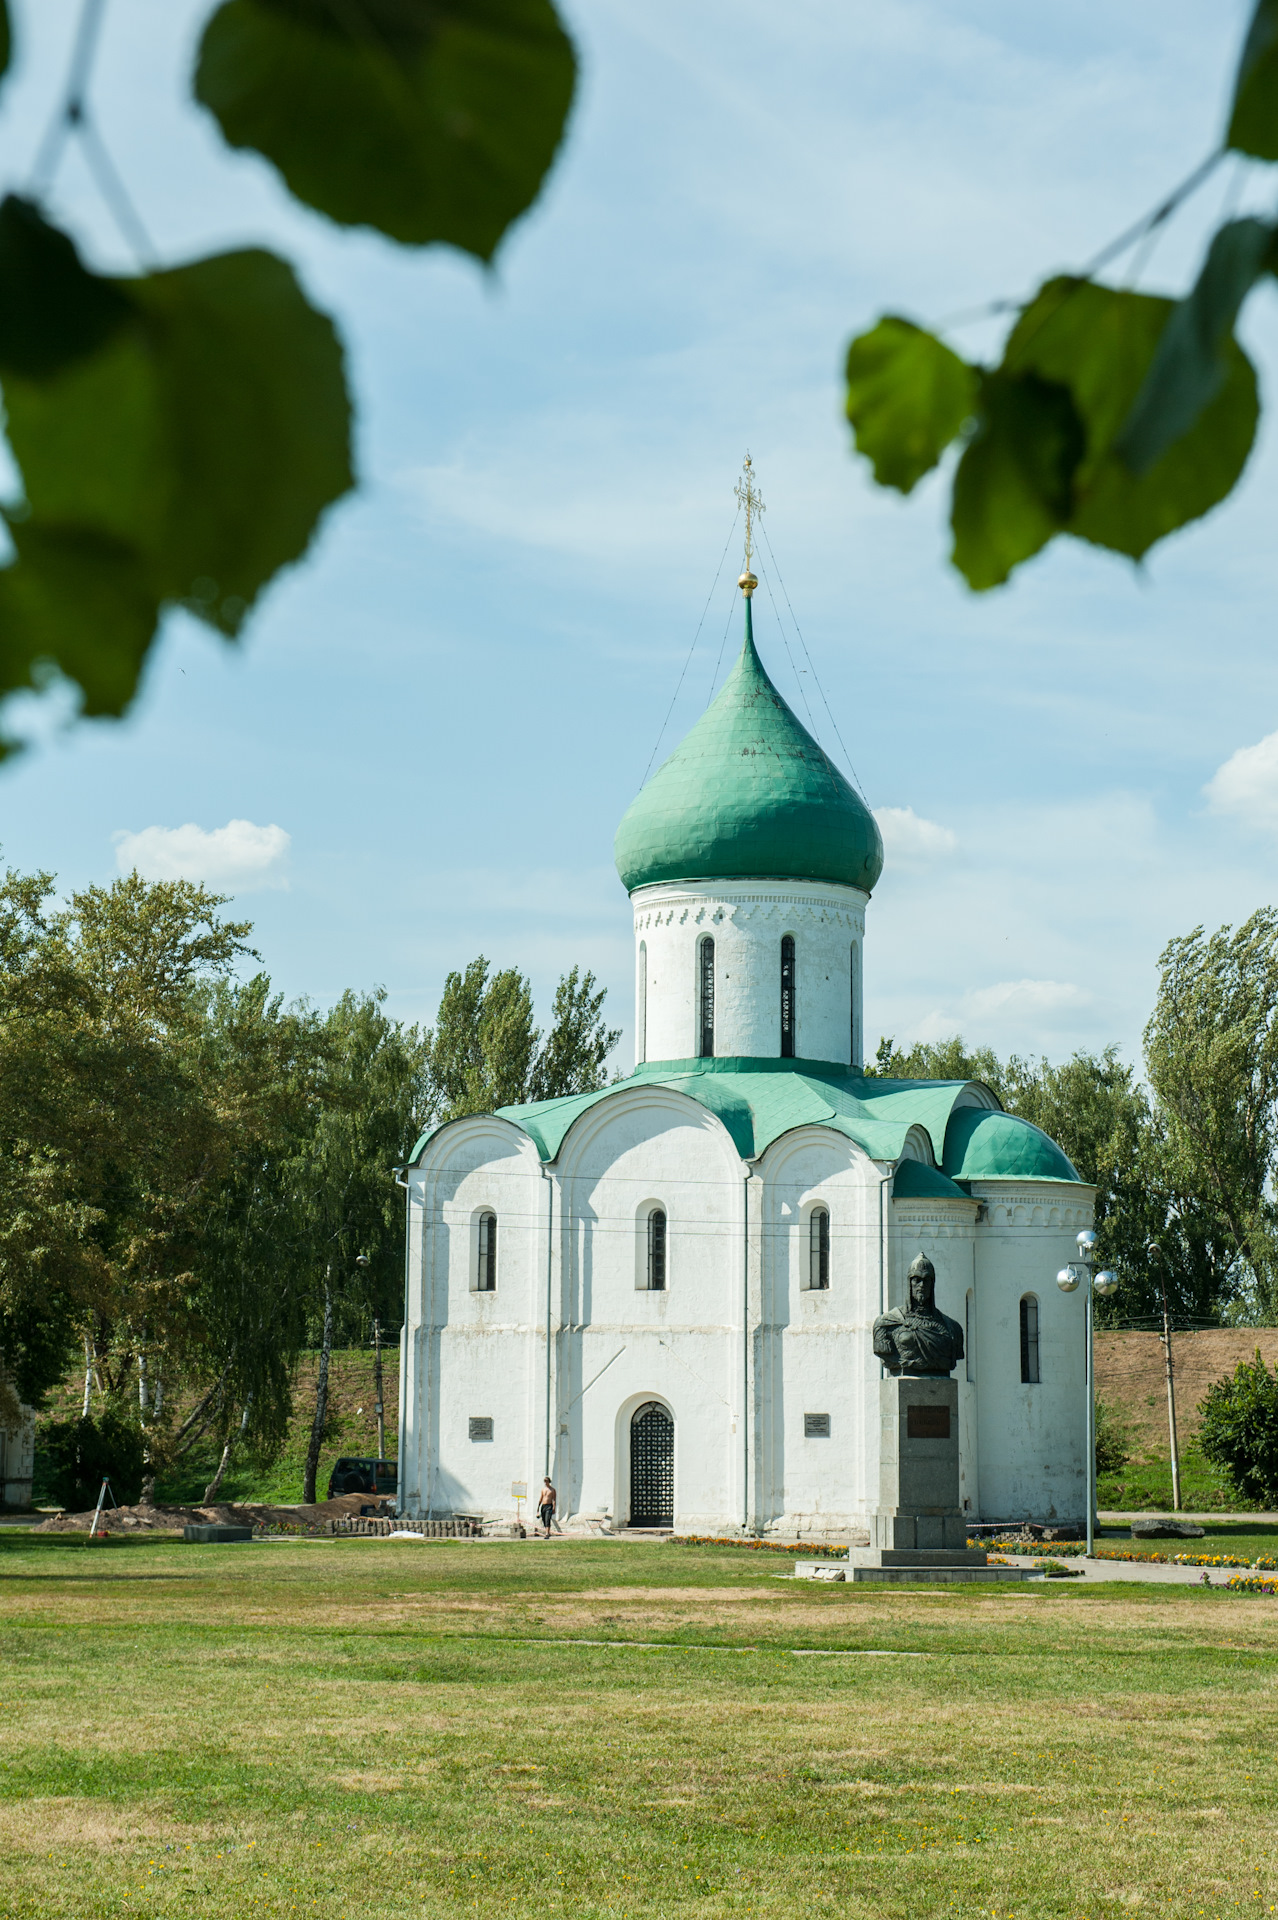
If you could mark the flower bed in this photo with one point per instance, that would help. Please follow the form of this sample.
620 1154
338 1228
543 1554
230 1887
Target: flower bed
1266 1561
806 1548
1252 1583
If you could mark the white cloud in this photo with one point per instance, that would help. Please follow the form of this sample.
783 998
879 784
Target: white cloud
236 858
1039 999
911 841
1247 785
1010 1015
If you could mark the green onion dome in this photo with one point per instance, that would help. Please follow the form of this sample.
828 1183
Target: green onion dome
981 1144
748 795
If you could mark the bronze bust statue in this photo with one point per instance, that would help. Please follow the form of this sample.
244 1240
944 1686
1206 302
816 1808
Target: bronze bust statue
919 1340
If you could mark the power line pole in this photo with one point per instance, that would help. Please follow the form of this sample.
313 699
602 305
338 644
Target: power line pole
1156 1253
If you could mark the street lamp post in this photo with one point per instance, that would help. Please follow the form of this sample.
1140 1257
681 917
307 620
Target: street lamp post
1069 1279
379 1405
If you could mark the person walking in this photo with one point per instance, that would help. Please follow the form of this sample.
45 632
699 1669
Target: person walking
547 1501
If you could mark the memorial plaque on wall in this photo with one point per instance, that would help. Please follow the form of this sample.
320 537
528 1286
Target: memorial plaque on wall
927 1423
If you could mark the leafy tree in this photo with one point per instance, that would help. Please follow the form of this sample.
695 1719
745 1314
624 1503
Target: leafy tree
485 1050
348 1220
1239 1430
1211 1049
1114 416
1113 1439
248 1298
578 1044
147 1105
107 1132
1095 1108
484 1042
180 432
937 1060
80 1454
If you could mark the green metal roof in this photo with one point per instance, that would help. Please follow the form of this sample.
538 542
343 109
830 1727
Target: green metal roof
914 1181
1001 1146
748 795
760 1099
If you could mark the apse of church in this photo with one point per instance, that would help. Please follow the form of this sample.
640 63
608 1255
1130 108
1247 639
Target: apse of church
663 1293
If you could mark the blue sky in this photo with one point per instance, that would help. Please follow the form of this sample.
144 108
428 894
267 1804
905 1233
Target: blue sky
445 710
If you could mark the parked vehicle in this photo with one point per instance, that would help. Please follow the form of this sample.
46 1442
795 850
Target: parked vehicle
351 1475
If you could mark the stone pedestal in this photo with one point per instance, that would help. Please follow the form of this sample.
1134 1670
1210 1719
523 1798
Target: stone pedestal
919 1532
919 1466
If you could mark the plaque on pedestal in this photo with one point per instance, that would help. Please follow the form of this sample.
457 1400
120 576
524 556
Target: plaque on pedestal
918 1465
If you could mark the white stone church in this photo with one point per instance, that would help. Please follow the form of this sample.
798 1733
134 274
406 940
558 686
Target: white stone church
662 1293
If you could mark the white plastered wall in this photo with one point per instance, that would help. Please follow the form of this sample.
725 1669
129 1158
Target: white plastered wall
1031 1437
623 1345
813 1351
469 1354
747 921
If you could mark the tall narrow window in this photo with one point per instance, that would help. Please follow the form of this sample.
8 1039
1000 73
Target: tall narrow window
969 1335
787 997
819 1249
486 1254
641 998
656 1251
705 998
855 1009
1029 1339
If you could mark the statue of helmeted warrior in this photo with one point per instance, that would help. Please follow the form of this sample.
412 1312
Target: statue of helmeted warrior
919 1339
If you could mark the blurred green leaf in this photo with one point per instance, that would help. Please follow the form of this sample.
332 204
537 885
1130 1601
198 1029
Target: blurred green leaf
1190 365
186 457
1012 490
6 38
81 601
908 397
431 120
51 309
1253 117
1100 342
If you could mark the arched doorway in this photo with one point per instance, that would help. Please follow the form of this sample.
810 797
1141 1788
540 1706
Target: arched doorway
652 1467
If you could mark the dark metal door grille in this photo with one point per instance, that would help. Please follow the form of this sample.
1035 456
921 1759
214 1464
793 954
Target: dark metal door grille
652 1468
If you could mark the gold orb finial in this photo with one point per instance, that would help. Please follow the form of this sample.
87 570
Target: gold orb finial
747 583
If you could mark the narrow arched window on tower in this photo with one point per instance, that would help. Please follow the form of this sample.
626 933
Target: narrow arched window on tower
486 1254
787 997
657 1251
705 998
1029 1340
819 1249
641 1050
855 1009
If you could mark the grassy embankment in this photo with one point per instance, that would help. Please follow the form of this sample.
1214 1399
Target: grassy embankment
372 1729
1145 1484
351 1428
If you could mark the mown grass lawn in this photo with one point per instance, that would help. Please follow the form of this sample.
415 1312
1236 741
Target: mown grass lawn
376 1728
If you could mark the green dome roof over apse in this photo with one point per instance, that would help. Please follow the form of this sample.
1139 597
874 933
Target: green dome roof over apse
748 795
983 1145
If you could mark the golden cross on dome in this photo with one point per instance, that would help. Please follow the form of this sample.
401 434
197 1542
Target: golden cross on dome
749 497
